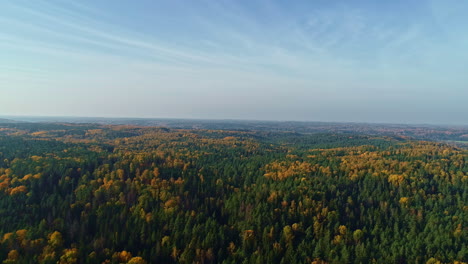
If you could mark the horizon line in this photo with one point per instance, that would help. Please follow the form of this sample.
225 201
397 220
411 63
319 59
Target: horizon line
233 119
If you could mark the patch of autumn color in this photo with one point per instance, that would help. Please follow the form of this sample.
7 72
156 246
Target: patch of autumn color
165 240
356 162
149 217
326 171
231 248
156 172
179 181
13 255
91 132
288 234
273 196
433 261
17 190
396 179
404 200
55 239
6 129
4 182
21 234
458 231
26 177
124 256
69 256
48 255
36 158
170 204
137 260
39 133
107 184
296 227
248 235
277 247
342 230
293 157
337 240
282 170
7 237
120 174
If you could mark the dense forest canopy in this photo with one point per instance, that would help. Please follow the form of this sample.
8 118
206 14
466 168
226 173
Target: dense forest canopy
95 193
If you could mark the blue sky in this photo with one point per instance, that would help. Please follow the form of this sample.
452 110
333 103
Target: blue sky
359 61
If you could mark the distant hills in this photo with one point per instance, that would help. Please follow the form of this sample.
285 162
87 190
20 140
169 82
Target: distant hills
453 134
4 120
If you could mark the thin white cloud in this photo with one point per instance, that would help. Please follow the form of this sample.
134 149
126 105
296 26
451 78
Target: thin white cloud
325 57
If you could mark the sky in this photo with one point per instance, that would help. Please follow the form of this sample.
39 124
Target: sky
401 61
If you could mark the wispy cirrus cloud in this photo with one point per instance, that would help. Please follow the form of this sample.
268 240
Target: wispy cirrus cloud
308 55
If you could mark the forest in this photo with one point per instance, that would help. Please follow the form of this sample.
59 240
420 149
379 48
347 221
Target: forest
101 193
